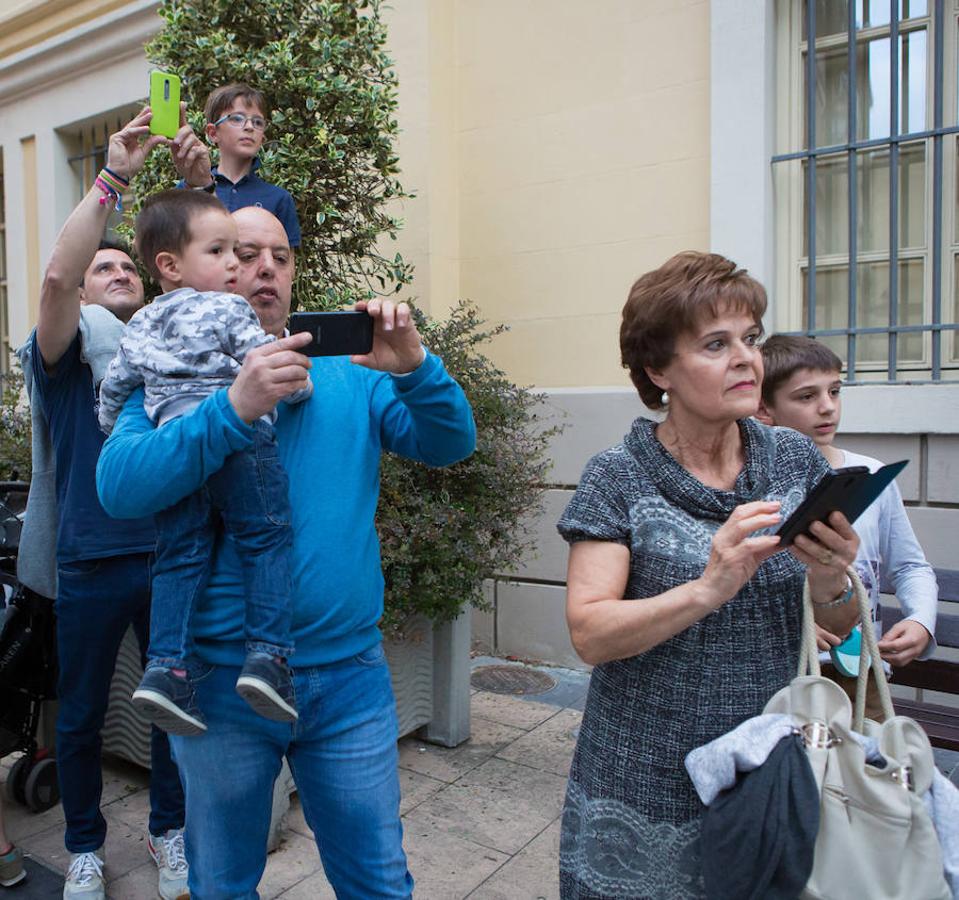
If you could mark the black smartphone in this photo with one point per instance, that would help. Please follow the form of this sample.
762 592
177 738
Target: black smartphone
342 333
850 491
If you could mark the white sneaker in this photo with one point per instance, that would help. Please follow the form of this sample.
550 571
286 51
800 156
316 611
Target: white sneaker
167 852
85 876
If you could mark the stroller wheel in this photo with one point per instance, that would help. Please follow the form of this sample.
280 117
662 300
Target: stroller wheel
17 780
42 789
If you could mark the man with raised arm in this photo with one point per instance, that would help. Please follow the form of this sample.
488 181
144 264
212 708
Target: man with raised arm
96 567
342 751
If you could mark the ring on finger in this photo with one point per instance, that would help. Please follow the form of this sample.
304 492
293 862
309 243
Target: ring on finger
827 558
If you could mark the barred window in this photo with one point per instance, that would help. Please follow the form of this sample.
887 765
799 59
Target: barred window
867 231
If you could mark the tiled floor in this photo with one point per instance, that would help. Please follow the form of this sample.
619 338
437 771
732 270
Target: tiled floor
480 820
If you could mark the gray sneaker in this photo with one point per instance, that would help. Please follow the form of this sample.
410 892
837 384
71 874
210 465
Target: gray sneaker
11 867
167 852
266 683
85 876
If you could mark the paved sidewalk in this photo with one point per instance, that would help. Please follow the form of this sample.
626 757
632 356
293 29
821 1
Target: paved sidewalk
481 820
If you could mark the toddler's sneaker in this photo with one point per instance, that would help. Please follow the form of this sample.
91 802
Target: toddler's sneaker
167 700
168 853
11 867
266 684
85 877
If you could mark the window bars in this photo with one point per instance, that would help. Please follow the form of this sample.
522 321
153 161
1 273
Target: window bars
859 38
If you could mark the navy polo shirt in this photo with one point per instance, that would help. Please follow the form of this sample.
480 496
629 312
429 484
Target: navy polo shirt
251 190
69 401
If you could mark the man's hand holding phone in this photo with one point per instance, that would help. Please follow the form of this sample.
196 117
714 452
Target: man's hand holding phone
132 144
268 374
397 347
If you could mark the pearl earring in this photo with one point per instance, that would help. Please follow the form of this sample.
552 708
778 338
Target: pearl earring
664 400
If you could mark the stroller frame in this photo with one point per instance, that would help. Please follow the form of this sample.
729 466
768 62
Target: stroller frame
28 668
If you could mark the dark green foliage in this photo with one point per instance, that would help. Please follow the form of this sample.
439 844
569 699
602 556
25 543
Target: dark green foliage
14 428
324 69
442 531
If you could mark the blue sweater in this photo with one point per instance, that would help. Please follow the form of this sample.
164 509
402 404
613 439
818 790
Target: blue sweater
330 447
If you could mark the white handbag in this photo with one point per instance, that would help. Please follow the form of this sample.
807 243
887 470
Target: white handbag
876 840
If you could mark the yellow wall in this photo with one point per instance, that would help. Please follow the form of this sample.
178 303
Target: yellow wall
573 158
28 150
23 24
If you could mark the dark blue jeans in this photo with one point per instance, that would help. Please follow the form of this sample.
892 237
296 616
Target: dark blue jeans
343 755
99 599
250 494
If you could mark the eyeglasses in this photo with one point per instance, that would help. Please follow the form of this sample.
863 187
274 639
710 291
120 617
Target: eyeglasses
238 120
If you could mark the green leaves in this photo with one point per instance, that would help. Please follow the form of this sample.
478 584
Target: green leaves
442 531
15 462
324 69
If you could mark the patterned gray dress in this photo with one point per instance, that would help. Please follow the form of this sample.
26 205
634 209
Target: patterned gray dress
632 819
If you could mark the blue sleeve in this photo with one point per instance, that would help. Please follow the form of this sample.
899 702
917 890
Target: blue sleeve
143 469
286 213
425 415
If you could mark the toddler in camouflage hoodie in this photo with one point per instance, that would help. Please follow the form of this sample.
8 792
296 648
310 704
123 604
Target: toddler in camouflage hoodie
182 348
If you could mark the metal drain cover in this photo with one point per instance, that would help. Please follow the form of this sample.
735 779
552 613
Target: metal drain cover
511 680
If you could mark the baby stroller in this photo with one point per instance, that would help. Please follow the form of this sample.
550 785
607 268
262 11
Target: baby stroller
28 667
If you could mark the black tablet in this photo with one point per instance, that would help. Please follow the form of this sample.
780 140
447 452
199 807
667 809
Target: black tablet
851 491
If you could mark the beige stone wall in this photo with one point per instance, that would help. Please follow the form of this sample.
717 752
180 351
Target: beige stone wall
558 150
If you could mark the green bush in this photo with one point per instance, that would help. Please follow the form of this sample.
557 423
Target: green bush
325 71
442 531
14 428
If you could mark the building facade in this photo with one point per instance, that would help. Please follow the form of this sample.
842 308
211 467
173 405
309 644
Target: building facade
558 150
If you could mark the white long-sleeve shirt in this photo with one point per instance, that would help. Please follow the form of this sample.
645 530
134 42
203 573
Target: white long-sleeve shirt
889 553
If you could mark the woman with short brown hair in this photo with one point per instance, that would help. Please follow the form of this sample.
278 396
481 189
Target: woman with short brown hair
677 592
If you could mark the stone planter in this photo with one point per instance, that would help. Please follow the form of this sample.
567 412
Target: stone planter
431 680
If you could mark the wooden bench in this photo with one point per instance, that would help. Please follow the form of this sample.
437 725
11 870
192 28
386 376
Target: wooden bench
941 722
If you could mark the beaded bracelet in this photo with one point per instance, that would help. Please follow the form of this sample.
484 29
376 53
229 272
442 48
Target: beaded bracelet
841 600
113 186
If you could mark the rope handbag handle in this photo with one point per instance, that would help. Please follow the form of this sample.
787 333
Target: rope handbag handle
809 651
875 662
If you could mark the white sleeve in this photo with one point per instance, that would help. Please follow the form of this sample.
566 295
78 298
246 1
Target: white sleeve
904 565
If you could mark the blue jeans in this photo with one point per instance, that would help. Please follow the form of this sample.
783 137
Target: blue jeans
98 600
342 752
251 495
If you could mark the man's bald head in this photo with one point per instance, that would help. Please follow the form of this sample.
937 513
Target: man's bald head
265 276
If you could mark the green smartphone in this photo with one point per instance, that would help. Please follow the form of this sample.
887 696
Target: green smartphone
164 103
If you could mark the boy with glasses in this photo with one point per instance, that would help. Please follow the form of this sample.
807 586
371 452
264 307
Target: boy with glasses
237 117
